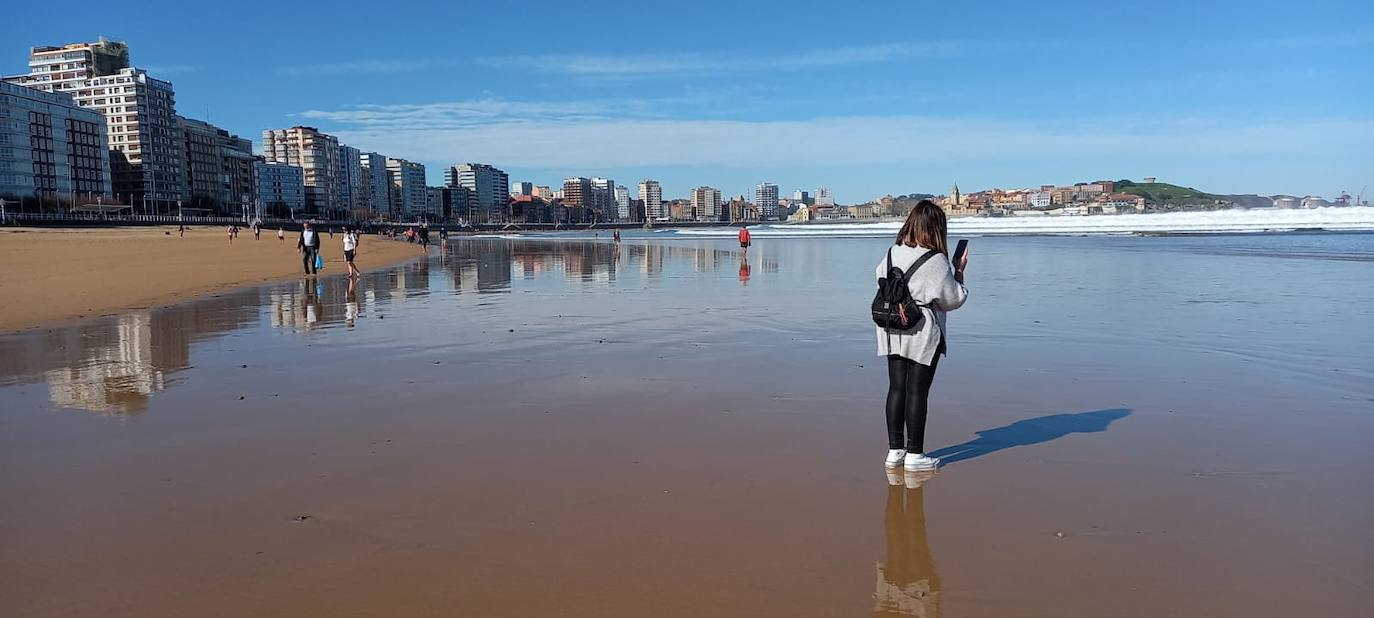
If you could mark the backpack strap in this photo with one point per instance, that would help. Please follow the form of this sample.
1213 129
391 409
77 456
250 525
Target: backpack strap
914 267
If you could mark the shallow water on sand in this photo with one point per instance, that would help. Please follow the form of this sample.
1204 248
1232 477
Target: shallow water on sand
1133 426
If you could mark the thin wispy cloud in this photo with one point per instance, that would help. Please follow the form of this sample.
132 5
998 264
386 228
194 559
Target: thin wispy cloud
641 65
481 112
365 66
171 69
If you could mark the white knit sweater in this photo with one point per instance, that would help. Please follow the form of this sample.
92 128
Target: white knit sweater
933 284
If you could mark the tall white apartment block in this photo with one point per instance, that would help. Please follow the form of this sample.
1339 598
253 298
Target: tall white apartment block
766 199
408 190
145 142
652 194
317 154
376 184
824 197
351 180
622 202
51 147
706 203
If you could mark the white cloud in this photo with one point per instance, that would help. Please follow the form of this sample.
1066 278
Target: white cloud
651 65
365 65
606 143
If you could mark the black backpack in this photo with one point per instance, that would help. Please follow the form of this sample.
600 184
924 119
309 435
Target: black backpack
893 307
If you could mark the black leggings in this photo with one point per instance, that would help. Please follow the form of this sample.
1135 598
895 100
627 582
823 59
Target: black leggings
908 388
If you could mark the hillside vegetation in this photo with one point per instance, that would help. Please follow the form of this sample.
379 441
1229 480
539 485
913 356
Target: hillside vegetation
1165 193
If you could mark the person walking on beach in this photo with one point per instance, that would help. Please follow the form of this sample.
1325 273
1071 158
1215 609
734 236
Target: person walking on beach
257 232
350 248
309 246
230 229
744 239
281 235
936 286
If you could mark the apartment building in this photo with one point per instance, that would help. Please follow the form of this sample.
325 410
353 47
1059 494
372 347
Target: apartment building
376 184
351 195
51 147
766 200
577 192
140 116
706 203
202 165
488 189
408 195
824 197
603 198
281 188
317 154
218 172
652 195
239 172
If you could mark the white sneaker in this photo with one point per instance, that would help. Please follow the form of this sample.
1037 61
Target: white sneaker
894 457
915 478
918 461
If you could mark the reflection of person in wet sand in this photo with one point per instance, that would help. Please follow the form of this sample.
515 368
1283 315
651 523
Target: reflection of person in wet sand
351 302
744 270
313 311
907 582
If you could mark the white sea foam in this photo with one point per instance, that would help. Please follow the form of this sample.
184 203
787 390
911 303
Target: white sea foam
1253 220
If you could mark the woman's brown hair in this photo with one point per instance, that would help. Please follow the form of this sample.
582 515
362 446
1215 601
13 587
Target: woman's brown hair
925 227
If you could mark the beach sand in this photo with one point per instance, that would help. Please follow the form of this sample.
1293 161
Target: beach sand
523 428
53 275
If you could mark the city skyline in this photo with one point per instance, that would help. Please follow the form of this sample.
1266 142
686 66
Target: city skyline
866 105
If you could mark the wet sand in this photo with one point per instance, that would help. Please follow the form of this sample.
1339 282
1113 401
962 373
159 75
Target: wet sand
522 428
53 275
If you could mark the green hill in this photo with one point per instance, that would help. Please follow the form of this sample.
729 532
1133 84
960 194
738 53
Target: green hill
1165 193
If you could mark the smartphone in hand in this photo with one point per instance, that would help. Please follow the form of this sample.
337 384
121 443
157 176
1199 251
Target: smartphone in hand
959 252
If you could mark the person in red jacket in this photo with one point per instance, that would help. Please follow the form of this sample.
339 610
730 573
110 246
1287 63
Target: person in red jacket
744 240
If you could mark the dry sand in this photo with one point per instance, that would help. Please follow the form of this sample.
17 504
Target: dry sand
53 275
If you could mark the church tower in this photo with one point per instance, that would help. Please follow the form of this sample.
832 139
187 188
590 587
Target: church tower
954 198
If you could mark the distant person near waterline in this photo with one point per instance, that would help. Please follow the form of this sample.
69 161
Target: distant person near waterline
744 239
309 247
281 235
917 284
350 249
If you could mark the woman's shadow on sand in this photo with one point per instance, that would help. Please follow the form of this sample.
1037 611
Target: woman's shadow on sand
1029 431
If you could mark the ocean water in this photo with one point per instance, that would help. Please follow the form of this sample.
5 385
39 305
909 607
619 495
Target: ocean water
1223 221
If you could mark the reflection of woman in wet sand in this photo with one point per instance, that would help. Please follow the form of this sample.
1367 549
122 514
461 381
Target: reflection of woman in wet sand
907 583
351 302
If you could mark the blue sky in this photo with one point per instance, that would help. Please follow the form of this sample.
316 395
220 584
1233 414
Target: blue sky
866 97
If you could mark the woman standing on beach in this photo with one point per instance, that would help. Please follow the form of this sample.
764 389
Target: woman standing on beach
913 353
350 247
